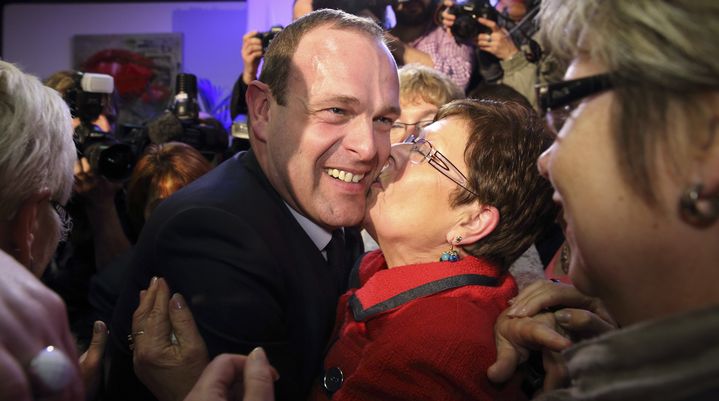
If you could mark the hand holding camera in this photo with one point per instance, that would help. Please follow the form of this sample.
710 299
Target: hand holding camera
497 41
476 21
252 52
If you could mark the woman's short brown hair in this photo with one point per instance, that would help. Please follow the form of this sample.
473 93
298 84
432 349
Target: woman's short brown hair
278 59
505 140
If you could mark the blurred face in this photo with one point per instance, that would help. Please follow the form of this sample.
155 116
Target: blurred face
617 240
416 113
414 12
516 9
410 204
328 143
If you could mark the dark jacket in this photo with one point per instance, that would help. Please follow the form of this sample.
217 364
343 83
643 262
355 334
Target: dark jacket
251 276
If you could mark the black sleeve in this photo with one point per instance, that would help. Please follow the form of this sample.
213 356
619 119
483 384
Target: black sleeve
230 280
238 105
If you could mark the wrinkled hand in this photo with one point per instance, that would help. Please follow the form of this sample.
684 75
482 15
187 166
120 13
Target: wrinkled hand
529 324
91 360
168 366
251 56
98 190
545 294
235 377
516 337
498 42
31 318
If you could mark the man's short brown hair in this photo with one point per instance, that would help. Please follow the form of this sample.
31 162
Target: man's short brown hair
278 59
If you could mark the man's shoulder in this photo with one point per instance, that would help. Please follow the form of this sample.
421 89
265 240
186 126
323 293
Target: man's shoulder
237 186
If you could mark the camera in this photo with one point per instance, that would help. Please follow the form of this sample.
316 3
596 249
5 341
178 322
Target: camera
86 99
466 27
267 37
181 122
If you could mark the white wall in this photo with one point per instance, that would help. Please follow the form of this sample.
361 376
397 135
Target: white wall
38 36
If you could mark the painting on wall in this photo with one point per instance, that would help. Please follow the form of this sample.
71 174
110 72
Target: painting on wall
144 67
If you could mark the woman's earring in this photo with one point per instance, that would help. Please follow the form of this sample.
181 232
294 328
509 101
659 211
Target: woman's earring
452 255
696 209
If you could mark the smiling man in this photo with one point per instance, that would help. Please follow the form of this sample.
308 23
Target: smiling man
246 244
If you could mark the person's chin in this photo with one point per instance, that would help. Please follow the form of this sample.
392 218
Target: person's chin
346 212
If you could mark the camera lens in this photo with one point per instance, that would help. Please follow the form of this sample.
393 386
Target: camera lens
465 28
113 161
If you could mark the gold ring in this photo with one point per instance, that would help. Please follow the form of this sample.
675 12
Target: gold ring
131 339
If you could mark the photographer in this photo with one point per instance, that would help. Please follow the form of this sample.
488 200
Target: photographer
97 234
506 50
252 52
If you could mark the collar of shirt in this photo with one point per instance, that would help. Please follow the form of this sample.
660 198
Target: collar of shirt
317 234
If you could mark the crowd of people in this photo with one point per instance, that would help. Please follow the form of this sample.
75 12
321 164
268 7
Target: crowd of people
256 278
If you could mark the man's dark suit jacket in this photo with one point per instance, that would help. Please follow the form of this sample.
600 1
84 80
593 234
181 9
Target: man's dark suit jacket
251 276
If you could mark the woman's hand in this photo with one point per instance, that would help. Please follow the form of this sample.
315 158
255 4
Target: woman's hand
230 377
169 353
516 337
91 360
498 42
32 317
545 316
545 294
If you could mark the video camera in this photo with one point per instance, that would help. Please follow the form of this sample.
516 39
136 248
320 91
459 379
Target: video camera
181 122
86 99
466 27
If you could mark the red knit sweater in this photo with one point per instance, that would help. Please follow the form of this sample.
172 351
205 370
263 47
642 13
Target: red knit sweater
418 332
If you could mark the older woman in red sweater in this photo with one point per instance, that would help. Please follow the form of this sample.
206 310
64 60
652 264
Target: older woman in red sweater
451 211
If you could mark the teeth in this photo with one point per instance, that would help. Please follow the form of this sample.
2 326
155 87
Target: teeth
345 176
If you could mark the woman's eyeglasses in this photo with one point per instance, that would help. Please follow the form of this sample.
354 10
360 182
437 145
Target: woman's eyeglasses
65 220
422 151
558 100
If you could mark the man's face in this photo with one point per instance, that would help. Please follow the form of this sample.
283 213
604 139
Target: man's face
414 12
328 142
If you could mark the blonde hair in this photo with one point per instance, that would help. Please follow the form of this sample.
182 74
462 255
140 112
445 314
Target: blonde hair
663 57
61 81
419 83
36 147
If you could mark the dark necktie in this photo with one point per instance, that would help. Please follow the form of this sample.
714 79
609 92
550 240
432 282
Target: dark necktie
337 257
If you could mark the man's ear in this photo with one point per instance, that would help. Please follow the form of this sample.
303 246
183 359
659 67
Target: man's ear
258 98
23 226
477 222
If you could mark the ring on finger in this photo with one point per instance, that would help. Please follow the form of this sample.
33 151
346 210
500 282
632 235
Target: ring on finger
49 372
131 339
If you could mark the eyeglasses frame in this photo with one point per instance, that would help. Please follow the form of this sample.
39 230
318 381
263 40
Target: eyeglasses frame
439 162
65 219
405 126
552 96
